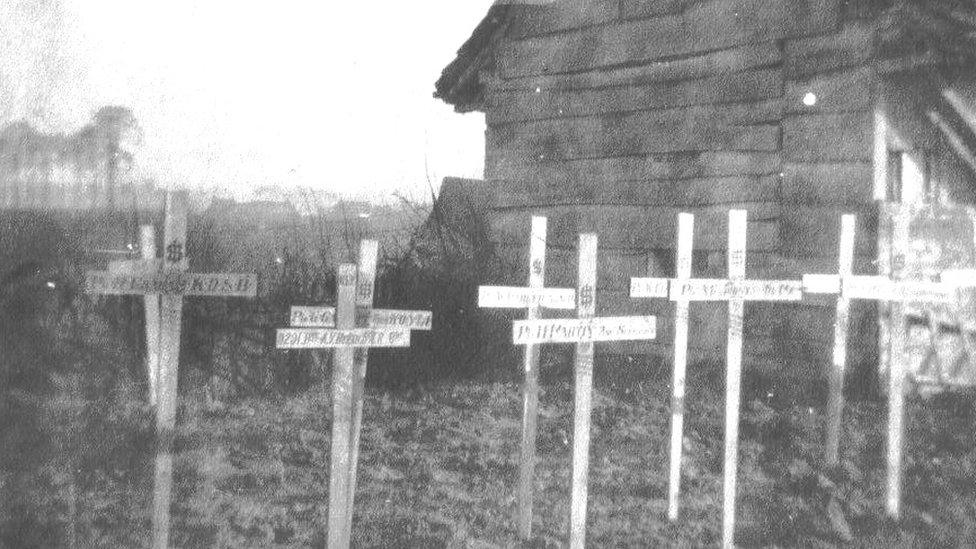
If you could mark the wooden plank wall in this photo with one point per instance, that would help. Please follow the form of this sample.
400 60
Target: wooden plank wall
614 115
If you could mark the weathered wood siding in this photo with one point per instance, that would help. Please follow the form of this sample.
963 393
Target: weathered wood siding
613 116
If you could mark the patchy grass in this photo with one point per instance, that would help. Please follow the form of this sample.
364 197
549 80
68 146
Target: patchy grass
439 467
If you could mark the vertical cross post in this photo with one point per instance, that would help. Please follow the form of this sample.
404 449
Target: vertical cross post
171 316
835 402
896 381
656 288
530 384
342 411
686 232
147 239
146 265
365 282
532 299
586 309
733 374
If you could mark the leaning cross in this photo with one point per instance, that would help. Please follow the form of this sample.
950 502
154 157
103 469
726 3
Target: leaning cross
172 283
148 263
878 288
532 299
583 331
736 290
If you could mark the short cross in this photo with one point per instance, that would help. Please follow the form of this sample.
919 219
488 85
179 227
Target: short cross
532 299
583 331
171 282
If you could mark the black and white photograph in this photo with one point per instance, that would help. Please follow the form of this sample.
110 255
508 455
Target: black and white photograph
479 274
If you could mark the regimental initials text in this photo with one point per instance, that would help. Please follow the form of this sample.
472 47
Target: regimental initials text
724 289
172 283
306 338
581 330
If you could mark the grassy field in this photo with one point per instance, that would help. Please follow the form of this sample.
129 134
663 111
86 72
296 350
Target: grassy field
439 466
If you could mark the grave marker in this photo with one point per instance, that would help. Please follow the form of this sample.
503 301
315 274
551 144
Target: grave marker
584 331
173 282
532 299
882 289
356 328
736 290
147 245
657 287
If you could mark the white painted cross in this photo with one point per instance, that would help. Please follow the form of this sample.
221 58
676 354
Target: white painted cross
658 287
736 290
532 299
583 331
356 327
173 282
878 288
148 262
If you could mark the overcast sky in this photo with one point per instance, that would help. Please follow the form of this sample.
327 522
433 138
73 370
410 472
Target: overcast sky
239 94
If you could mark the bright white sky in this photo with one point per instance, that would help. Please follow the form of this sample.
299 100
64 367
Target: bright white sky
238 94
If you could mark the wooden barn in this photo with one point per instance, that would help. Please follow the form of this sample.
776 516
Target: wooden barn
613 116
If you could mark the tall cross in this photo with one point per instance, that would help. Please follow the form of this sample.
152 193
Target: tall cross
657 288
532 299
357 328
584 331
884 289
735 290
172 283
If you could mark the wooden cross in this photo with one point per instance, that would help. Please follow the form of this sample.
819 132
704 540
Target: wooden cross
657 288
357 328
736 290
583 331
532 299
172 283
148 262
885 289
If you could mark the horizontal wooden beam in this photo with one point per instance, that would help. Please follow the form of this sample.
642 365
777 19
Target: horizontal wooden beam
707 26
710 64
678 193
551 102
637 227
738 127
644 167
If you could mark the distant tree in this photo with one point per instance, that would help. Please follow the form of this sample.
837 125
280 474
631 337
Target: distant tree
117 128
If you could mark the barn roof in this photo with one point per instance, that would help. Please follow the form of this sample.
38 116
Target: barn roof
459 83
931 32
